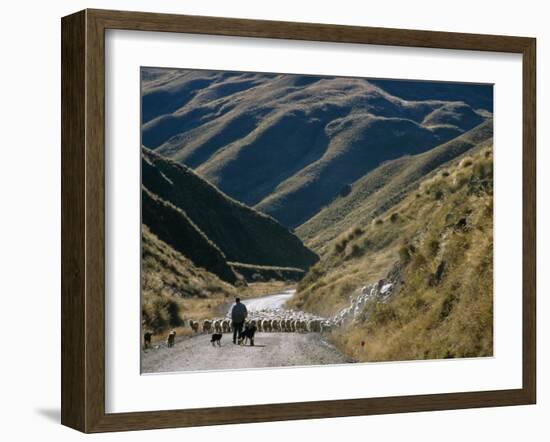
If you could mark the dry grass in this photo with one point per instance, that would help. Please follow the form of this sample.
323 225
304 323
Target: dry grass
173 288
442 242
175 291
385 187
327 291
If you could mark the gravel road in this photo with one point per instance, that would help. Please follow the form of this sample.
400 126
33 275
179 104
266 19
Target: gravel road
271 349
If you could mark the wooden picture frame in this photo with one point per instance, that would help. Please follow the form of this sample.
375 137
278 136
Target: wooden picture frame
83 220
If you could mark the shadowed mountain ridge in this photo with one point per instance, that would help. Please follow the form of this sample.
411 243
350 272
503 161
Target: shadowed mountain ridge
288 144
239 232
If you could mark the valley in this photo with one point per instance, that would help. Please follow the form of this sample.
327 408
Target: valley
257 183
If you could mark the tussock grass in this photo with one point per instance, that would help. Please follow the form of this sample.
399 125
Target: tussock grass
383 188
442 245
173 288
327 286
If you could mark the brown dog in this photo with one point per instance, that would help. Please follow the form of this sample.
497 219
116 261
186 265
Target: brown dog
171 338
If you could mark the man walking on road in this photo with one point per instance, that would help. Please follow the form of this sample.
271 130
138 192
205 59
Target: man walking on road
238 315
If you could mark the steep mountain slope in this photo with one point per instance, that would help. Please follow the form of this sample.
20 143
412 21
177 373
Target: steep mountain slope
477 96
384 187
239 232
357 145
436 248
173 226
288 144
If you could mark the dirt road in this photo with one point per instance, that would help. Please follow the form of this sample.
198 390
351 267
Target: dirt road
271 349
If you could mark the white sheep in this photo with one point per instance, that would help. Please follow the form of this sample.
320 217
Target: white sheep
293 325
226 326
266 325
194 325
288 325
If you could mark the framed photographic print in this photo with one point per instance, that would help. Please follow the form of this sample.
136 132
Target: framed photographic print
267 221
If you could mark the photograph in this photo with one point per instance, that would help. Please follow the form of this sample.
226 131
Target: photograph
293 220
271 221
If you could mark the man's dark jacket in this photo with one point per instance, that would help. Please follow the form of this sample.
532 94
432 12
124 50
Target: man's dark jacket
239 312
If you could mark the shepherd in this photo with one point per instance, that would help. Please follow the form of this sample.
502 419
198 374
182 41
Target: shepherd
238 315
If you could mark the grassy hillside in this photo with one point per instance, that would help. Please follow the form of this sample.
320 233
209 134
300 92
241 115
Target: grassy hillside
174 227
241 233
244 174
289 144
172 286
384 187
358 144
437 247
477 96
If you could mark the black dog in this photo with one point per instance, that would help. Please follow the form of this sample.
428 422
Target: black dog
248 334
216 337
147 339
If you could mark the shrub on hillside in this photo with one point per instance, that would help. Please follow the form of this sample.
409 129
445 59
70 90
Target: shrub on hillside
160 312
356 251
433 247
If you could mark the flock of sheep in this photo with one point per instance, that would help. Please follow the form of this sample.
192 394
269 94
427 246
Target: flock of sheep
380 290
282 320
268 321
